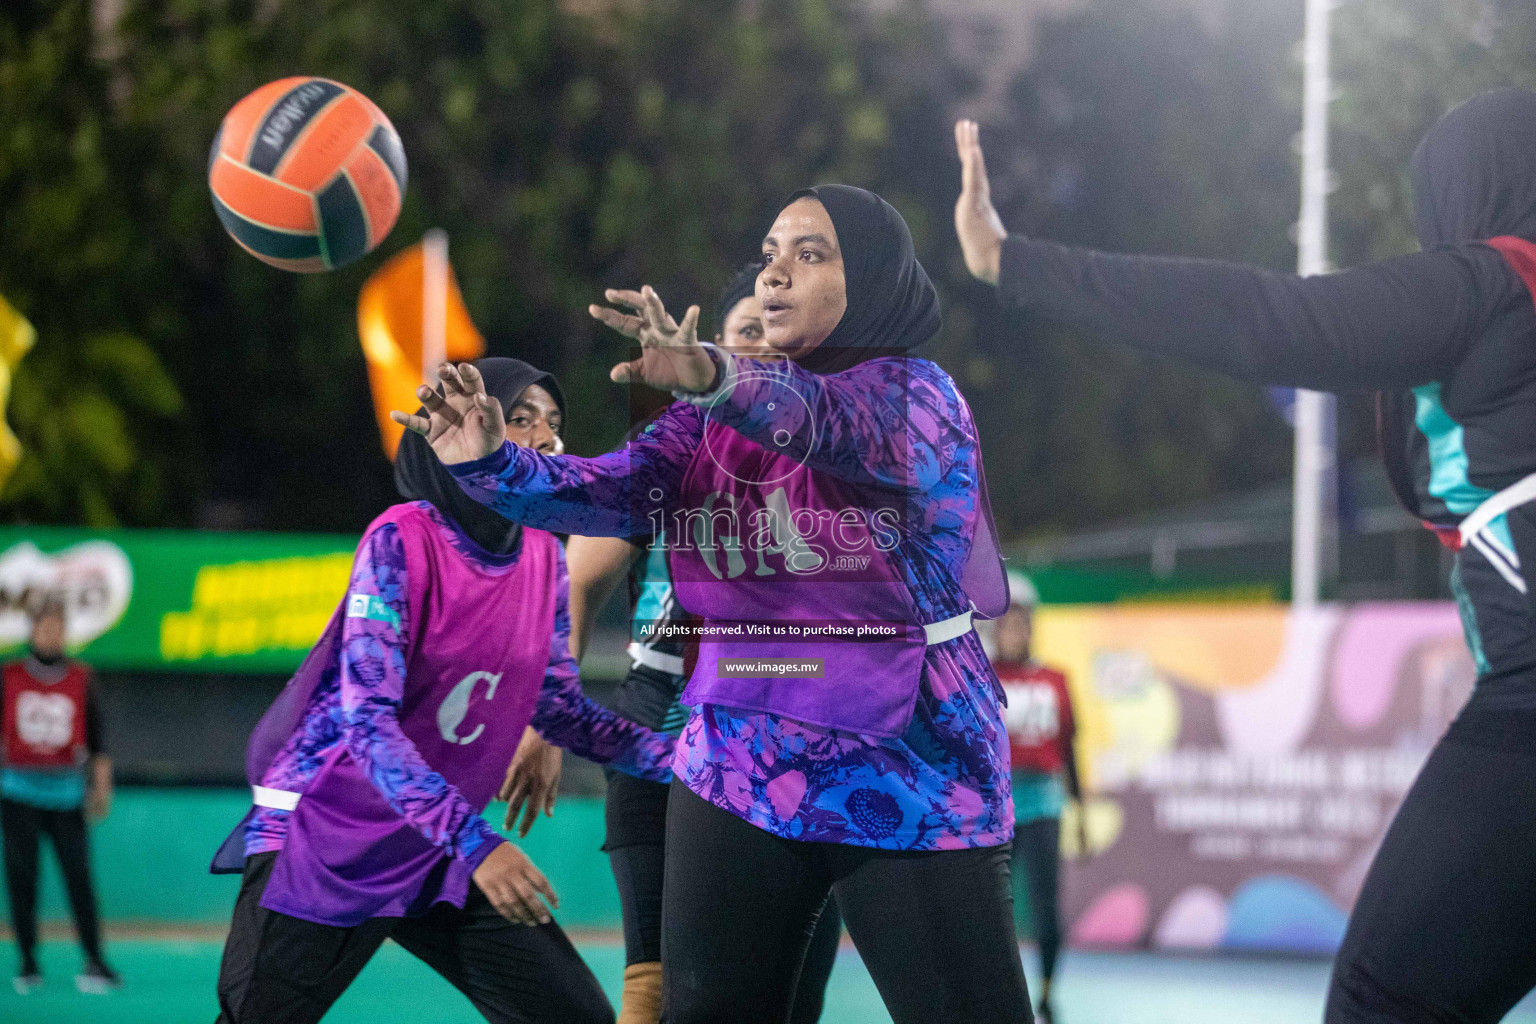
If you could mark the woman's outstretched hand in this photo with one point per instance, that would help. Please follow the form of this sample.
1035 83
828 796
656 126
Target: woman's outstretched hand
980 229
463 423
670 355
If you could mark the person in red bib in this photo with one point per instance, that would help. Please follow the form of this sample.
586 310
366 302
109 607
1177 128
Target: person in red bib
53 773
1041 728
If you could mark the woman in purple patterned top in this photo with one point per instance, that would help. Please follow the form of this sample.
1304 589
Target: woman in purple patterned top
884 771
371 770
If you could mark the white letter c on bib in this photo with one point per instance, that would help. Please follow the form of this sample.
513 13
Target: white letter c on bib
451 712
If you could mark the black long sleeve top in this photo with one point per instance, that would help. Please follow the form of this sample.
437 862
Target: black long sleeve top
1448 335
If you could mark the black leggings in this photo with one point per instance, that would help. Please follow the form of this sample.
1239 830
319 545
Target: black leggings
1037 851
636 814
24 826
279 969
1444 931
935 929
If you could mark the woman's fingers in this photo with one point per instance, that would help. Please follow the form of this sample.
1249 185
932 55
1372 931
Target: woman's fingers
973 165
511 904
420 424
624 297
688 330
979 229
626 372
516 788
517 798
454 381
550 793
627 325
507 782
492 421
437 406
656 317
525 895
540 884
973 179
460 383
469 375
530 814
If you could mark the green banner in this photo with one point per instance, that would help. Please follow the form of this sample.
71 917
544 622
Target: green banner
225 602
256 602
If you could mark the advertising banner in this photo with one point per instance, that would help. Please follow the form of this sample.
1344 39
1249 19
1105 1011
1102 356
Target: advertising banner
235 602
1244 762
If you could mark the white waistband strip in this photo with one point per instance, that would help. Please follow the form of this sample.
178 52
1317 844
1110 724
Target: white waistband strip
651 658
277 799
1516 494
948 629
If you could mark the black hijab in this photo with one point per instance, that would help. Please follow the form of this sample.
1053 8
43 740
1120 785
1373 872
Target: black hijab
892 306
742 285
1474 173
420 476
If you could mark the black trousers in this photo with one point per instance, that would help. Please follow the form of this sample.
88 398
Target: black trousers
636 814
1037 853
1444 931
935 929
24 826
283 970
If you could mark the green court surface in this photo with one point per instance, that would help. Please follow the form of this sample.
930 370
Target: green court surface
172 982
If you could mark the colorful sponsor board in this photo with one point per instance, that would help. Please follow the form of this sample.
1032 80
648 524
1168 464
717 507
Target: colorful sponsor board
1245 762
237 602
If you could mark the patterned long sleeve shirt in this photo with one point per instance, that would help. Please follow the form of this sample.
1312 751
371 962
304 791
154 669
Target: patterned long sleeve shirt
886 424
357 705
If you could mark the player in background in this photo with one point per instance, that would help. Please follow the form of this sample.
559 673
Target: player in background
636 809
54 773
1444 928
1041 731
885 775
370 771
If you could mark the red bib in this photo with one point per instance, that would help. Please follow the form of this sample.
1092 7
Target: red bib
44 722
1038 715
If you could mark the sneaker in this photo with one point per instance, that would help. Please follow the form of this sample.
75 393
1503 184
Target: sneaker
28 980
97 979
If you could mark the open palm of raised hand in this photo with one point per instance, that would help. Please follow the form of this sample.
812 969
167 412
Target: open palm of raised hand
670 355
977 224
463 423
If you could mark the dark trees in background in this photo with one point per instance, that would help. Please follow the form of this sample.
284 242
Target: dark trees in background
178 381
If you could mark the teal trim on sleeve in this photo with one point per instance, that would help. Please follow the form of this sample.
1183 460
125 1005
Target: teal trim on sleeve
1449 478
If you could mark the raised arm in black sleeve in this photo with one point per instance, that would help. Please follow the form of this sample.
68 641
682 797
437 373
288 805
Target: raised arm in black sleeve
1393 324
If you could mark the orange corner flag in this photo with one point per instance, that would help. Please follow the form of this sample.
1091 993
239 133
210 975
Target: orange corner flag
389 322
